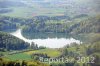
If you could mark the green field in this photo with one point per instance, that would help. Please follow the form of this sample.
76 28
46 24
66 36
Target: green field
27 55
49 52
29 12
19 56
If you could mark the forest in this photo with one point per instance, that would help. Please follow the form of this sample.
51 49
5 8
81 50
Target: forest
51 19
90 27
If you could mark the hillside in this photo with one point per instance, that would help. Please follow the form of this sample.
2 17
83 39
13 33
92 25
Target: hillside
10 42
31 8
90 25
73 26
50 21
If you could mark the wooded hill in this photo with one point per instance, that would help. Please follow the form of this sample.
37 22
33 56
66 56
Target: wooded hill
10 42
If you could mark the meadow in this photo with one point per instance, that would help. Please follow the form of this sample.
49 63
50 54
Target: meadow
27 55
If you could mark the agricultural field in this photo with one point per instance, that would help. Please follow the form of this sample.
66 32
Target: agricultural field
49 52
27 55
29 12
19 56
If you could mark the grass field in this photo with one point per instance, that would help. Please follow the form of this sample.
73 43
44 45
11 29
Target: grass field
27 55
49 52
29 12
19 56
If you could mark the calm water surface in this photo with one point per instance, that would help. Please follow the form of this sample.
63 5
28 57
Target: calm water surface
50 40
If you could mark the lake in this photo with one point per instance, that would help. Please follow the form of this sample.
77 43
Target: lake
50 40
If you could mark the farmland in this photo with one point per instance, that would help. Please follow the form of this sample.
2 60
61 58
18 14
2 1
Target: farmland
27 55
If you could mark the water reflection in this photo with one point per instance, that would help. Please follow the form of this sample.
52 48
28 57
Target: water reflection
50 40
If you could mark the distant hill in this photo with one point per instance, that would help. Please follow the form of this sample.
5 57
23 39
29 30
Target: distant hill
90 25
31 8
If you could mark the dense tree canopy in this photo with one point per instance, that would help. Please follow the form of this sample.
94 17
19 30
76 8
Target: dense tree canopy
10 42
